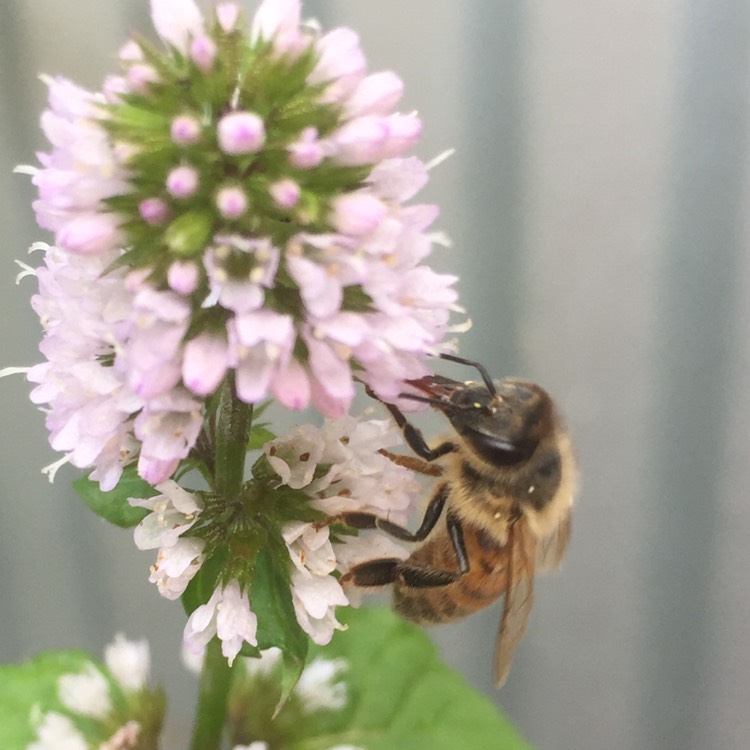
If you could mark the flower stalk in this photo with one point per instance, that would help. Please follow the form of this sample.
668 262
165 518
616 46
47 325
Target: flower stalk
213 699
233 424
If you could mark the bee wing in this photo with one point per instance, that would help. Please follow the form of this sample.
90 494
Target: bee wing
519 598
551 549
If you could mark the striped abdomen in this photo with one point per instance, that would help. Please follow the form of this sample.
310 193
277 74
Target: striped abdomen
484 583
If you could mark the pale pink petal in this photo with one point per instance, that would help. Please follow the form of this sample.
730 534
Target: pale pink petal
176 21
205 360
291 385
376 94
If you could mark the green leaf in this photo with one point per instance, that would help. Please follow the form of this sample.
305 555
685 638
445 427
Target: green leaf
205 581
114 505
259 436
400 695
271 600
33 683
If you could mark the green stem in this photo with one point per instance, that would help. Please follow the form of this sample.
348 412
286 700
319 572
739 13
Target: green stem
233 423
212 699
234 420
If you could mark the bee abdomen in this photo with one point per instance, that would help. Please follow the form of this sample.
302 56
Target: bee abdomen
475 590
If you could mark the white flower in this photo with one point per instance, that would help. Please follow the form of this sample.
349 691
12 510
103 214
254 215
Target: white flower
57 732
175 566
129 662
319 687
172 513
86 693
227 614
358 477
265 663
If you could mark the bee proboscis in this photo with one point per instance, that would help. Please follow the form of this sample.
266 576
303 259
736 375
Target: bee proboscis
500 512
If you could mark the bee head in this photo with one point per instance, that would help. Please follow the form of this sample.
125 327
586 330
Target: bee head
501 421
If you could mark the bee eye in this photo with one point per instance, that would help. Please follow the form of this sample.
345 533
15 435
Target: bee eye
497 450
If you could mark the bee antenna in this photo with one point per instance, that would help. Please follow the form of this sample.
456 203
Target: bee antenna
478 366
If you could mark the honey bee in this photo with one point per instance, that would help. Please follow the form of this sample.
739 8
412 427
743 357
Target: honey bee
501 510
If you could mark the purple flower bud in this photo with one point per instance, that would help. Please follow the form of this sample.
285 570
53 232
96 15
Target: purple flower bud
357 213
185 130
130 52
241 133
153 210
339 57
182 277
360 141
140 76
285 193
114 88
231 202
307 152
182 182
226 15
203 52
376 94
404 132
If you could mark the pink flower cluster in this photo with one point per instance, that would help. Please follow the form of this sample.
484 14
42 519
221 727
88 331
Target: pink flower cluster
132 379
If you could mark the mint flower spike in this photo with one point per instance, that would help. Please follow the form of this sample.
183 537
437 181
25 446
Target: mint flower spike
236 200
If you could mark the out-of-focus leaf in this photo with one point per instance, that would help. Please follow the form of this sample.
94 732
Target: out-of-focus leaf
33 683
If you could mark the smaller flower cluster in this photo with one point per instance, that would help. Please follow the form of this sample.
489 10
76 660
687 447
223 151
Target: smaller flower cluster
112 711
322 687
318 473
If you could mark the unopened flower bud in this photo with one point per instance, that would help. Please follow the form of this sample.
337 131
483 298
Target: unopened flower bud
227 15
203 52
185 130
404 132
153 210
140 76
241 133
231 202
360 141
376 94
285 193
357 213
130 52
307 152
182 182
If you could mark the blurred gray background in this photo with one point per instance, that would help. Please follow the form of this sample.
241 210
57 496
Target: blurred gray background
598 202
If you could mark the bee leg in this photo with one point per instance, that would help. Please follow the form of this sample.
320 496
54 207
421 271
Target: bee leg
372 573
387 570
413 436
365 521
420 577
